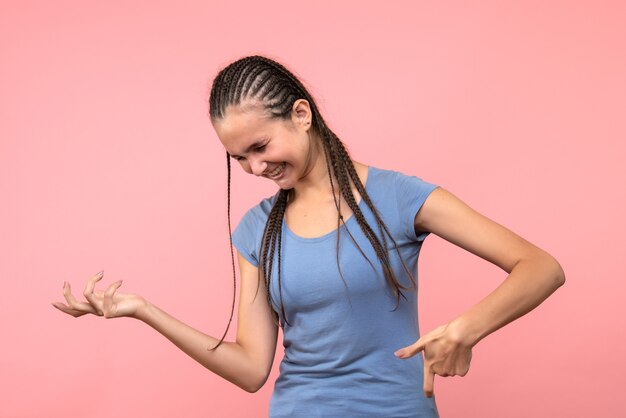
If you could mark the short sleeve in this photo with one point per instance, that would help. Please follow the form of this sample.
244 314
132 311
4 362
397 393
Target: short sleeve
248 234
411 193
246 238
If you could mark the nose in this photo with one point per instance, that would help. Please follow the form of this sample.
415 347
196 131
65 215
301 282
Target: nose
257 166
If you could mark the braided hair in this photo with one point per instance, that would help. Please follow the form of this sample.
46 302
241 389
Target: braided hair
269 83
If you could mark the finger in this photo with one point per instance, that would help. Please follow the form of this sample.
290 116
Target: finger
411 350
73 303
465 364
446 366
68 310
429 382
455 364
89 294
464 369
109 306
99 293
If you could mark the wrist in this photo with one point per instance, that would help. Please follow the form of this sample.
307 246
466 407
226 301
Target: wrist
143 311
464 331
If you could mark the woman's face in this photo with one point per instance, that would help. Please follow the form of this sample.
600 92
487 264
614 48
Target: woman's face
277 149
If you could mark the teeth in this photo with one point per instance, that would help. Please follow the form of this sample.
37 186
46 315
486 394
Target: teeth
277 170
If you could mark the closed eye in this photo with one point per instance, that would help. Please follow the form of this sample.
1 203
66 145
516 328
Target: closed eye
259 148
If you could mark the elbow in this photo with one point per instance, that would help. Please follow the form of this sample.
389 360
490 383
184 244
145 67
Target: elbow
253 385
557 273
252 389
551 270
560 277
254 382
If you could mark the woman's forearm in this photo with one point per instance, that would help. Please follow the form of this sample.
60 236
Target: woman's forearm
229 360
529 283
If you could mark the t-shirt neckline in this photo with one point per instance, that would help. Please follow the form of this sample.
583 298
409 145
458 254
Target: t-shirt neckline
343 225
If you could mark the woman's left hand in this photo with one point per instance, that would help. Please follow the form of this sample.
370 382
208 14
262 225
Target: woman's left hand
445 354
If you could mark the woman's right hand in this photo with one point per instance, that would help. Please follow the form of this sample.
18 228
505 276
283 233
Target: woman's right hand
108 303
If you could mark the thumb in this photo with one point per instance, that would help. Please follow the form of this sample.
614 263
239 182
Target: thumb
410 350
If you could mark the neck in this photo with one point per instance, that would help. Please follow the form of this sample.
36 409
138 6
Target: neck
315 180
315 185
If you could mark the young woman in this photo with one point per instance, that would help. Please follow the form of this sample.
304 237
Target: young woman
331 258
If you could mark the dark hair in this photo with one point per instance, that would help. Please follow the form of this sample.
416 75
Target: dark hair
276 89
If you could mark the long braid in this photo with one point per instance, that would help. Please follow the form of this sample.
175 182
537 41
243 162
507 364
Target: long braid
279 229
272 235
348 166
262 80
382 226
232 257
358 214
383 255
332 163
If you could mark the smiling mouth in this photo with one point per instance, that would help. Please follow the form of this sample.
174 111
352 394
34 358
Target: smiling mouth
277 172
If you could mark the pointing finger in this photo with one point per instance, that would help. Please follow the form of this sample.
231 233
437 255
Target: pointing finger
429 382
411 350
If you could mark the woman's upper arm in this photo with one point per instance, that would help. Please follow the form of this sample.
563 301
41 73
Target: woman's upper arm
256 329
449 217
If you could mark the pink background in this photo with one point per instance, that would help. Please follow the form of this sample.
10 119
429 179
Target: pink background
108 161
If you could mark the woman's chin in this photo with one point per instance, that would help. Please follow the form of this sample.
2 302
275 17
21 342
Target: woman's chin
284 184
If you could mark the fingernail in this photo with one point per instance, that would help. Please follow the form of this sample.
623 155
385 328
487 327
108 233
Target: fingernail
100 274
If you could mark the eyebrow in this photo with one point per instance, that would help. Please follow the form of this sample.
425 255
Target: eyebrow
252 146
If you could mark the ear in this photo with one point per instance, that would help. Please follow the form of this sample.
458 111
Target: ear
301 114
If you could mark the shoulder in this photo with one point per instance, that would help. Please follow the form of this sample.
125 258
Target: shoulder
247 235
399 180
261 211
399 197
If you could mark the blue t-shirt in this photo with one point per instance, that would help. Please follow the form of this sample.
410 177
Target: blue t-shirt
342 332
